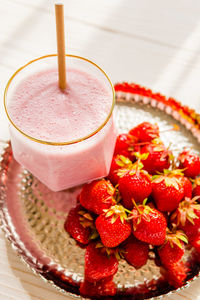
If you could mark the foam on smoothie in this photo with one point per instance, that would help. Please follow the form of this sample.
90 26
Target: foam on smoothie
40 109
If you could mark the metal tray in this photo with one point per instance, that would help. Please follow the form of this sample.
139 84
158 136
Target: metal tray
32 216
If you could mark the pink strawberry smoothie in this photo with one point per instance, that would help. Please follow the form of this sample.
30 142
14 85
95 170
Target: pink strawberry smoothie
41 110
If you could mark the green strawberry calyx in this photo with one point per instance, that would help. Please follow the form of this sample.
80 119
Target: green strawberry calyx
143 212
117 197
131 170
157 141
123 162
110 188
185 154
86 219
186 211
132 147
116 211
151 132
170 177
175 237
158 146
117 252
94 234
141 156
112 195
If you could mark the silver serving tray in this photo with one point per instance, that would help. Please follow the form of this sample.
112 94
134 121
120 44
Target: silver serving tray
32 216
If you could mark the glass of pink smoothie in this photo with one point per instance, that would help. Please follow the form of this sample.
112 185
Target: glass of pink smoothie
64 138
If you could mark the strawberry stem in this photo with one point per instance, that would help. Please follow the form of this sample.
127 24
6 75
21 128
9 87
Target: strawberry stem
174 128
139 211
167 130
141 144
137 165
128 211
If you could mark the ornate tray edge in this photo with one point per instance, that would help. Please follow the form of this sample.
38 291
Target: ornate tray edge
128 93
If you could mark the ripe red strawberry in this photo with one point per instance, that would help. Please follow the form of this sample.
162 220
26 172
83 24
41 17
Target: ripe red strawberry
187 217
134 184
118 162
173 249
176 274
149 225
136 252
145 132
101 288
190 162
98 264
187 186
123 143
158 158
195 242
97 196
78 226
113 226
167 190
196 188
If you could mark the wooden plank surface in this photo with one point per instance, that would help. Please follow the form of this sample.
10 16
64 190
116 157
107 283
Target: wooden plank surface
154 43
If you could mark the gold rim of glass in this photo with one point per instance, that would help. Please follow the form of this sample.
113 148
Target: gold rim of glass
60 143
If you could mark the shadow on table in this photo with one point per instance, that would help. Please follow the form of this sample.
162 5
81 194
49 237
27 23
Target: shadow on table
145 42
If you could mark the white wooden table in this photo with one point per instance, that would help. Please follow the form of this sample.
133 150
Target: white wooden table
154 43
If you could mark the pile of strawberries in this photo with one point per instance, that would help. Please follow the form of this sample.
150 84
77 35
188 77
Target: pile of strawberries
148 202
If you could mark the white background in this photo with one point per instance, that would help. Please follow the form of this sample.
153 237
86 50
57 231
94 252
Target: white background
154 43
